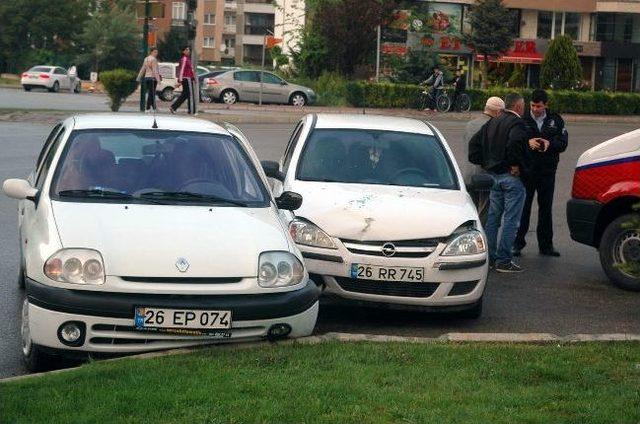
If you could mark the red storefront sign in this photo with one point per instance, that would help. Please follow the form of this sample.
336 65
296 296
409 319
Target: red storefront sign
523 51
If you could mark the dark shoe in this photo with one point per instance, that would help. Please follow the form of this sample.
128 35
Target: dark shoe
550 252
508 267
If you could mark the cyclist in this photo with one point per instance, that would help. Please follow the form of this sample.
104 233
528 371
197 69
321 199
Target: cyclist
437 81
460 85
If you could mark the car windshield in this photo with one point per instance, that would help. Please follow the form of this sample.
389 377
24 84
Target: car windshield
40 69
159 167
376 157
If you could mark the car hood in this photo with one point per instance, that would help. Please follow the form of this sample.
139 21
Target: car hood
147 240
378 213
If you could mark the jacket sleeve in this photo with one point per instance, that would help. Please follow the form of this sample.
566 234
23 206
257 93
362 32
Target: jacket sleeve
560 142
517 146
476 147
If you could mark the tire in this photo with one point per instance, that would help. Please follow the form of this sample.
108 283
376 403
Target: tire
229 97
204 97
474 312
618 246
298 99
464 103
33 356
26 87
167 94
443 103
55 88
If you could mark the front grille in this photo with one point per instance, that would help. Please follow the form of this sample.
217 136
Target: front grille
183 280
387 288
420 248
462 287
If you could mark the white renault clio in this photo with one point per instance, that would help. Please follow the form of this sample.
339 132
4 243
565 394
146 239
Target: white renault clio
136 238
386 216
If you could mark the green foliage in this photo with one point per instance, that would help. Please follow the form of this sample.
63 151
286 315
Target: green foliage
416 68
383 95
276 55
111 38
561 68
119 84
312 55
170 46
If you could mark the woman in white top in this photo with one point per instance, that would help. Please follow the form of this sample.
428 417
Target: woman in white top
149 75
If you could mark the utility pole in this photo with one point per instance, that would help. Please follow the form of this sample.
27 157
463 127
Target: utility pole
192 28
264 49
145 47
378 55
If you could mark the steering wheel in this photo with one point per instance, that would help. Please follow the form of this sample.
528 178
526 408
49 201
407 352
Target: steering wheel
409 171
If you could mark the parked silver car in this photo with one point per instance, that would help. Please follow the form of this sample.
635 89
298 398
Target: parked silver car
244 85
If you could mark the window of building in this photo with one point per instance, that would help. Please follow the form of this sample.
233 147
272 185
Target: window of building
179 11
229 19
252 54
553 24
209 19
230 43
258 23
617 27
514 28
209 42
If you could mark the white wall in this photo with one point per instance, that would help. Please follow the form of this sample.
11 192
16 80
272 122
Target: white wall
289 20
529 24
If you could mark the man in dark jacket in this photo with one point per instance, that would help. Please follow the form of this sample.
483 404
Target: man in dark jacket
502 151
548 138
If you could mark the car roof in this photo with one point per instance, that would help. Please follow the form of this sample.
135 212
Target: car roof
44 66
140 121
372 122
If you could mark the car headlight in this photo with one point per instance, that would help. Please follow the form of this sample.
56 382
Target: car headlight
308 234
279 269
75 266
468 243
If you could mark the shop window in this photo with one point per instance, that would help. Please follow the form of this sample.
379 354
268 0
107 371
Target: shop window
545 22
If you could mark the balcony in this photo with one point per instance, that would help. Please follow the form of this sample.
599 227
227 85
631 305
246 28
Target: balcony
266 8
230 6
177 22
230 52
229 29
256 40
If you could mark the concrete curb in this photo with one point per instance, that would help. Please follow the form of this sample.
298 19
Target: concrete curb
506 338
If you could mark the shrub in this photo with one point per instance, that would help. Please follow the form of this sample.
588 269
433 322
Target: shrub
561 68
119 85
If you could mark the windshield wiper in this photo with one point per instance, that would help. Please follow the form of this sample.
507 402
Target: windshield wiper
105 194
187 196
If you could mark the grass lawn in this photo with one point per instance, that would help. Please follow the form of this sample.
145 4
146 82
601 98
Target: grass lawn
345 383
9 81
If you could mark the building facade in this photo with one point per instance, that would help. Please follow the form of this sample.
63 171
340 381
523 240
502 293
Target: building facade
606 35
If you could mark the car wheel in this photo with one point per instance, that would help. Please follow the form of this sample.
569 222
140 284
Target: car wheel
229 97
298 99
34 358
26 87
474 312
619 247
204 97
167 94
56 87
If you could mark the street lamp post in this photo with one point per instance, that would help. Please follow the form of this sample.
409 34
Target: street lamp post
145 47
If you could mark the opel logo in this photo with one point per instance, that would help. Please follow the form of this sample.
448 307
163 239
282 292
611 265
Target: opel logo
182 264
388 249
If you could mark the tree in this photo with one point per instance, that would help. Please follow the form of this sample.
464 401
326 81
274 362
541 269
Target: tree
416 67
491 31
561 67
111 38
171 44
340 35
119 84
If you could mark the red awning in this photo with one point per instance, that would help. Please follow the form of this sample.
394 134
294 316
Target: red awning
528 60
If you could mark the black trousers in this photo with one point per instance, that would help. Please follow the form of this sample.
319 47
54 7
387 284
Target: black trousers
188 93
150 85
543 185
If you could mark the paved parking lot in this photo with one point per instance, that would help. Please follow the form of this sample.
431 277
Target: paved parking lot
562 296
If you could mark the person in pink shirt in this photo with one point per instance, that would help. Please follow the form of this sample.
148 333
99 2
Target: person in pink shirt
186 78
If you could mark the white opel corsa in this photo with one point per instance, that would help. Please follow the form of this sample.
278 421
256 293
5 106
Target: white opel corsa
136 238
386 215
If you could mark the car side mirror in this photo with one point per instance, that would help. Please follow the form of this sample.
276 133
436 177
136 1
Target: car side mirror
480 182
289 201
19 189
272 169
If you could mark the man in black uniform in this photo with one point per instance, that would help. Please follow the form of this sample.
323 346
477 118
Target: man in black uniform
547 139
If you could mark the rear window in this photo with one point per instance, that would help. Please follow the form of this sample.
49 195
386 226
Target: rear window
168 166
40 69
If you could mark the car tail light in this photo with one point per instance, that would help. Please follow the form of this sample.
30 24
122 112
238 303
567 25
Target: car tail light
44 76
25 75
211 81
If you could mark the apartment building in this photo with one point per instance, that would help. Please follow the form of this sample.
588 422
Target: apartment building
606 35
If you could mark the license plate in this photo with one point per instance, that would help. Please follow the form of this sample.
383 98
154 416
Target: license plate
147 318
386 273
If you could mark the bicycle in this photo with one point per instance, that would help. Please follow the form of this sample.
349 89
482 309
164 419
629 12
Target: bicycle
444 102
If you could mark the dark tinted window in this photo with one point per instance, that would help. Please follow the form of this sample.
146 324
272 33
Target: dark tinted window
40 69
60 71
376 157
271 79
137 162
247 76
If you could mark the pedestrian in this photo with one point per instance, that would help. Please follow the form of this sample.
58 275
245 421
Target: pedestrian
459 87
505 157
548 138
73 77
492 109
186 79
149 75
437 81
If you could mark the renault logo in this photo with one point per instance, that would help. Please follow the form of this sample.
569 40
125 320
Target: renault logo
388 249
182 264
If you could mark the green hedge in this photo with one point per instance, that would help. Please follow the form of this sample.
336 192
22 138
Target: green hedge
386 95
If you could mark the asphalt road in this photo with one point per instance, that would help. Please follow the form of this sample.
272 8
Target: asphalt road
566 295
